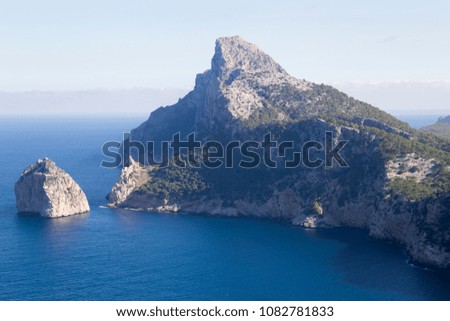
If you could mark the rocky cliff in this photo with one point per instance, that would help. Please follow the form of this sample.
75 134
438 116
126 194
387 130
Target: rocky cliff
46 189
396 184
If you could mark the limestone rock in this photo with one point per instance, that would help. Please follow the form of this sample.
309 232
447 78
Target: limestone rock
242 81
131 178
46 189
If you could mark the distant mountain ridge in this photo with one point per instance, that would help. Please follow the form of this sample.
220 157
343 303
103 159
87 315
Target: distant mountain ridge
397 184
444 120
440 128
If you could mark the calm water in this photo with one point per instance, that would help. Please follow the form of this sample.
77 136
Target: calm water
123 255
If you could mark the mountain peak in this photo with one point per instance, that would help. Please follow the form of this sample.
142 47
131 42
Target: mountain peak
444 120
234 53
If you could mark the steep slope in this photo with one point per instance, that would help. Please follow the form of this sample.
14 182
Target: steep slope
395 182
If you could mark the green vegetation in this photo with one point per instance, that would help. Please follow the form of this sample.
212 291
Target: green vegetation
174 182
410 189
393 145
440 182
264 116
436 184
317 208
321 100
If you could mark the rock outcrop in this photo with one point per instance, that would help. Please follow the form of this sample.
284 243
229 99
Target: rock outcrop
131 178
46 189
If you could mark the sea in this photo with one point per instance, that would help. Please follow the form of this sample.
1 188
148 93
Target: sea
117 254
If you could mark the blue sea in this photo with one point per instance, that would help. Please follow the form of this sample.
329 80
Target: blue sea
115 254
419 121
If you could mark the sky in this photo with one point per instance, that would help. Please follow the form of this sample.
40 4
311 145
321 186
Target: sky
389 53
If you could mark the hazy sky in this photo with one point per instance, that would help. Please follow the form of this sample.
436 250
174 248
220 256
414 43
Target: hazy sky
77 45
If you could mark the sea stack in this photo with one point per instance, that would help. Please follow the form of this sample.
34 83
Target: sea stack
46 189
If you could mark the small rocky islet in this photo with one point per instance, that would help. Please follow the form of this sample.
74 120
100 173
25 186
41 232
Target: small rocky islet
46 189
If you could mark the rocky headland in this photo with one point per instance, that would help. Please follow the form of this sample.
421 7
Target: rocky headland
396 185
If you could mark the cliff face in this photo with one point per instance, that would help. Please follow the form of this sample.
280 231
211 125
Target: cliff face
131 178
46 189
396 185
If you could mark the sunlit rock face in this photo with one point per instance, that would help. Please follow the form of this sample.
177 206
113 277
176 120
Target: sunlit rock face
46 189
